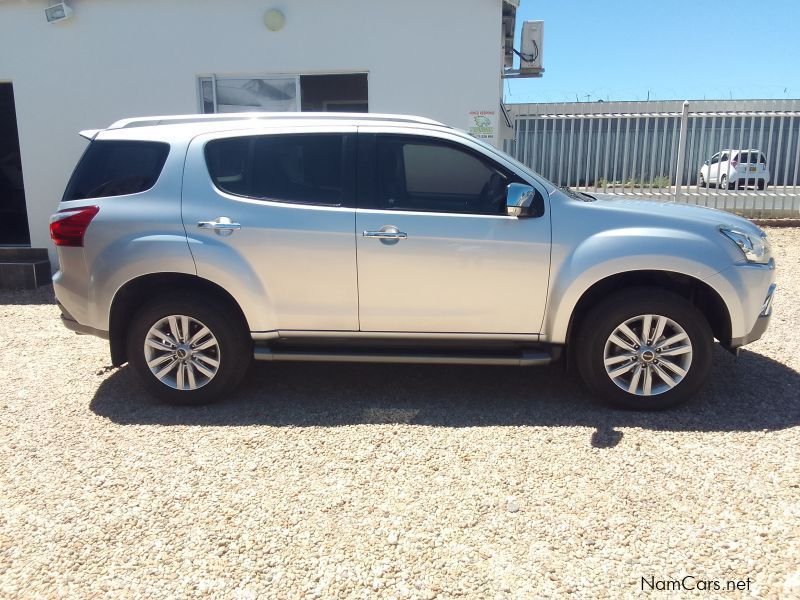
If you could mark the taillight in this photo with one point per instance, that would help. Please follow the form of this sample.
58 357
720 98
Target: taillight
68 226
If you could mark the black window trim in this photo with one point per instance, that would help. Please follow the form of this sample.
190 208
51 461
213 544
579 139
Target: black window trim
367 185
348 167
75 171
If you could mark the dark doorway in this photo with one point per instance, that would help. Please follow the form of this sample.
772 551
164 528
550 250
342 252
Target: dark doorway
13 213
334 93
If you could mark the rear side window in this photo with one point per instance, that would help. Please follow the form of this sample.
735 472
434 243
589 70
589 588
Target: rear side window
304 169
116 168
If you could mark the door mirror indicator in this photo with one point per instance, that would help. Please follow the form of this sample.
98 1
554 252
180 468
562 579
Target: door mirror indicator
524 201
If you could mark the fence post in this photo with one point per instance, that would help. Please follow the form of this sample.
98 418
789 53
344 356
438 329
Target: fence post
681 148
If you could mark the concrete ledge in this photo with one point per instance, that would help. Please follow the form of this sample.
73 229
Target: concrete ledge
777 222
24 268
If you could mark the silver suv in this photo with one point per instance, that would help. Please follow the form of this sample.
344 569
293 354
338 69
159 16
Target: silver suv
195 243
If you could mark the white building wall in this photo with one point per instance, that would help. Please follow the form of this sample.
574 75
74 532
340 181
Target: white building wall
122 58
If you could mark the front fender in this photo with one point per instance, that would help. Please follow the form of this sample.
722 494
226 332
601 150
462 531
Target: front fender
577 265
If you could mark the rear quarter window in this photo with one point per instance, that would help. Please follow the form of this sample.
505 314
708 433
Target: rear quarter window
116 168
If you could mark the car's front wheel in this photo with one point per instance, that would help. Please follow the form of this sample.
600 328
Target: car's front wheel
645 349
187 351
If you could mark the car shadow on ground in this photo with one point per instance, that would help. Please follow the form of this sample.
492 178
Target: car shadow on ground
751 393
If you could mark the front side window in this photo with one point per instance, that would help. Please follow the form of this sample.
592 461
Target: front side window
715 159
305 169
116 168
427 175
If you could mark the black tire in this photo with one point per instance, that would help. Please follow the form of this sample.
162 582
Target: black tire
618 308
702 181
234 346
723 183
762 185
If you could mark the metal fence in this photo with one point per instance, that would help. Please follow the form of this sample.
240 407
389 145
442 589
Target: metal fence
656 149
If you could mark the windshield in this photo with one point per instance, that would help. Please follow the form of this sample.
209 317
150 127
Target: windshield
582 196
751 157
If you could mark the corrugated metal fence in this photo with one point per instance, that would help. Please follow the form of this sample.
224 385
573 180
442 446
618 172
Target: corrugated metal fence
657 150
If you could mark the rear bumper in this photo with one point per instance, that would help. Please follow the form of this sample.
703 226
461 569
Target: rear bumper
749 178
70 323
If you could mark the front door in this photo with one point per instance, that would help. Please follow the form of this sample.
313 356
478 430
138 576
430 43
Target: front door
13 212
274 212
436 251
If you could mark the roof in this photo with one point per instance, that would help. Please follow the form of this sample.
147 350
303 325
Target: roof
222 121
327 116
175 127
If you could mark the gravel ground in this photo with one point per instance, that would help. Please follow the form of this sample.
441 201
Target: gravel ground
392 481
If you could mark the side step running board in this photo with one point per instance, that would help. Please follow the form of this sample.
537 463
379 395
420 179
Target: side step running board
526 358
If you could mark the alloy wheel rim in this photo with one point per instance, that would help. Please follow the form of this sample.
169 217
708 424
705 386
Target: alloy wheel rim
182 352
647 355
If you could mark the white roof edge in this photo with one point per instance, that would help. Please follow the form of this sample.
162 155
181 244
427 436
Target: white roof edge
177 119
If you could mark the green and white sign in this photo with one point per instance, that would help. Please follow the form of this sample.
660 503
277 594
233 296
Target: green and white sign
482 124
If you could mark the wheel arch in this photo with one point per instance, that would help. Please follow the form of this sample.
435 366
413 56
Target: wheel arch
704 297
130 297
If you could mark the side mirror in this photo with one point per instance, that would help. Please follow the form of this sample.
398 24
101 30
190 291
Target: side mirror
523 201
705 163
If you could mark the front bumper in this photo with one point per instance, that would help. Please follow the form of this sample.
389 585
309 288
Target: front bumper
761 324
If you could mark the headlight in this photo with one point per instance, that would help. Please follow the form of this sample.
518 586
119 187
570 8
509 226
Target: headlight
754 247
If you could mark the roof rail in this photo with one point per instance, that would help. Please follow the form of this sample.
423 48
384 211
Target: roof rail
178 119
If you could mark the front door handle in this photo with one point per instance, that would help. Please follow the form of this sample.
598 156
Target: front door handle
387 232
221 225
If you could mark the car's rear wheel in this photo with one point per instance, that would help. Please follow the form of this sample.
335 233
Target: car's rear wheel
762 184
186 351
723 183
644 349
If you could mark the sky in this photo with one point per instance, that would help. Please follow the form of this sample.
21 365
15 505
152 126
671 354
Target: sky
677 50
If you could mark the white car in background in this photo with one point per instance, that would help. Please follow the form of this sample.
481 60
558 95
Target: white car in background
735 169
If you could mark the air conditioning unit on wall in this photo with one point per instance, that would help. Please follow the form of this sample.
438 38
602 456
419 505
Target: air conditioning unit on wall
531 47
530 52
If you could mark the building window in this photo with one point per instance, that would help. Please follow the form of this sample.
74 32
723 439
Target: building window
229 94
281 93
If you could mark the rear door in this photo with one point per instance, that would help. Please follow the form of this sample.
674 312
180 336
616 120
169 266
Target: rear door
456 262
273 212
